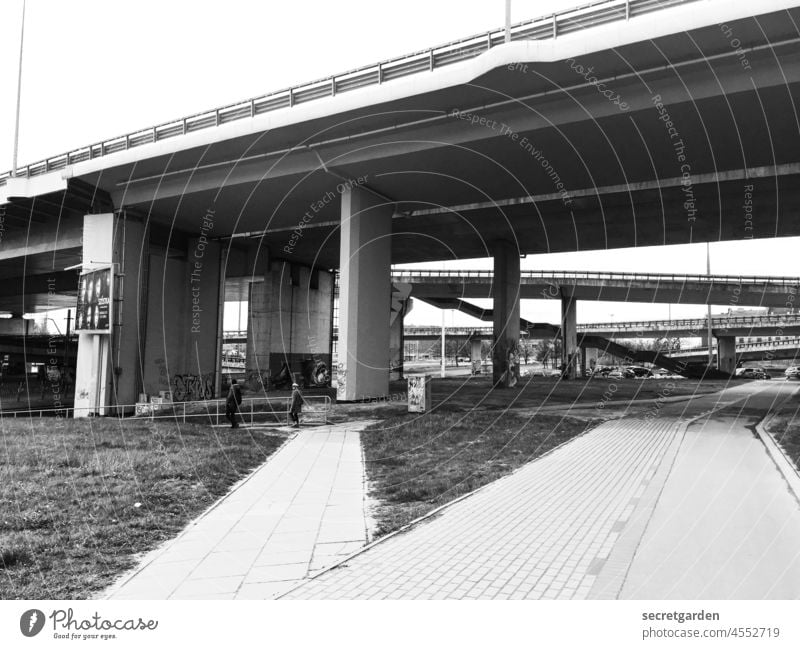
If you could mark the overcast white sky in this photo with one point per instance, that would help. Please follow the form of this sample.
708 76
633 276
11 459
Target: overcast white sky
94 69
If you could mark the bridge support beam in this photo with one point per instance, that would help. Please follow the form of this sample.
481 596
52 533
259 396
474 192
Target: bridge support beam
364 292
505 353
726 354
569 335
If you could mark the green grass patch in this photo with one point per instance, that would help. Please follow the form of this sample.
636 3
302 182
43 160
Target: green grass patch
80 499
417 463
785 428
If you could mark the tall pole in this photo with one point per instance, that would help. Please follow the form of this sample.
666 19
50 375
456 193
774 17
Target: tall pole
19 95
508 21
708 272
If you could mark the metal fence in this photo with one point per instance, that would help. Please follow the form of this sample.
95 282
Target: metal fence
256 410
563 22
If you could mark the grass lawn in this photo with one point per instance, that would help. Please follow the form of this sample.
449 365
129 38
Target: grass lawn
79 499
417 463
785 428
469 393
466 392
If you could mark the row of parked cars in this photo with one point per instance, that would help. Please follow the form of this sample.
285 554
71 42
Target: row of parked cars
792 372
633 372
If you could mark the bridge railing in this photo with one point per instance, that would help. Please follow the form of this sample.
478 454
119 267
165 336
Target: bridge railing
788 343
400 275
733 322
551 26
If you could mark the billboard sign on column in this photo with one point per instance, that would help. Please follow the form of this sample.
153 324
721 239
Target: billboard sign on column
93 314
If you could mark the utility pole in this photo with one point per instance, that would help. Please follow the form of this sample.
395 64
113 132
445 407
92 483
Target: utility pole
19 95
508 21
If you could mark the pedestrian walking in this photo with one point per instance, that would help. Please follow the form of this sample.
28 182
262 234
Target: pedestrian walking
232 403
296 405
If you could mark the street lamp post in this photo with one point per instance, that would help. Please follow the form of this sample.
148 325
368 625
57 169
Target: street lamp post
708 272
19 95
508 21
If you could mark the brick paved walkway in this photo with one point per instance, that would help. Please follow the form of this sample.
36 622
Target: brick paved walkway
544 532
632 509
300 512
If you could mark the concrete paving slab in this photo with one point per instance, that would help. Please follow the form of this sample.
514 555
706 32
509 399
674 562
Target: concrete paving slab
261 539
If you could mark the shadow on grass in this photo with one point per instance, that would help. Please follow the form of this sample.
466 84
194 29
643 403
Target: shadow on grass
417 463
80 499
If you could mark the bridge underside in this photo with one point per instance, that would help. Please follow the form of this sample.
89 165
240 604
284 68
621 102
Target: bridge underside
516 151
555 166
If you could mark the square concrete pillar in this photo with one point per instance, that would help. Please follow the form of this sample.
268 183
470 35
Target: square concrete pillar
108 366
365 255
505 353
726 354
569 335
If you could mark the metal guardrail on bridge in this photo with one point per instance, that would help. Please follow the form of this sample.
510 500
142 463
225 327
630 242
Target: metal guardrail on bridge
419 275
698 324
562 22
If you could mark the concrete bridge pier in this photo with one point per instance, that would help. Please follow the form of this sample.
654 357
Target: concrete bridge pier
569 335
107 368
289 320
166 325
505 352
400 307
726 354
475 347
364 292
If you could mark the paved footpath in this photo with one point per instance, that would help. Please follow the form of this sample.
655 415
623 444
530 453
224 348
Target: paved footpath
301 511
611 514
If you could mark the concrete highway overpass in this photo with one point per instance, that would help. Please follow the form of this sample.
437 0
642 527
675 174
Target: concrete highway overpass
624 123
438 286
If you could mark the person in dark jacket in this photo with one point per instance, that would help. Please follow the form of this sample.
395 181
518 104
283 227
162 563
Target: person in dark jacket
232 403
296 405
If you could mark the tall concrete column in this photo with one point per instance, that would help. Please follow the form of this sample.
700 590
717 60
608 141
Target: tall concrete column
259 315
108 366
506 315
726 354
569 334
364 296
475 347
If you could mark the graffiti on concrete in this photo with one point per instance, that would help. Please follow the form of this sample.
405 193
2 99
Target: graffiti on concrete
341 381
191 387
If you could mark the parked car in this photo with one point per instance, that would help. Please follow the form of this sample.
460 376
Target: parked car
639 372
792 372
